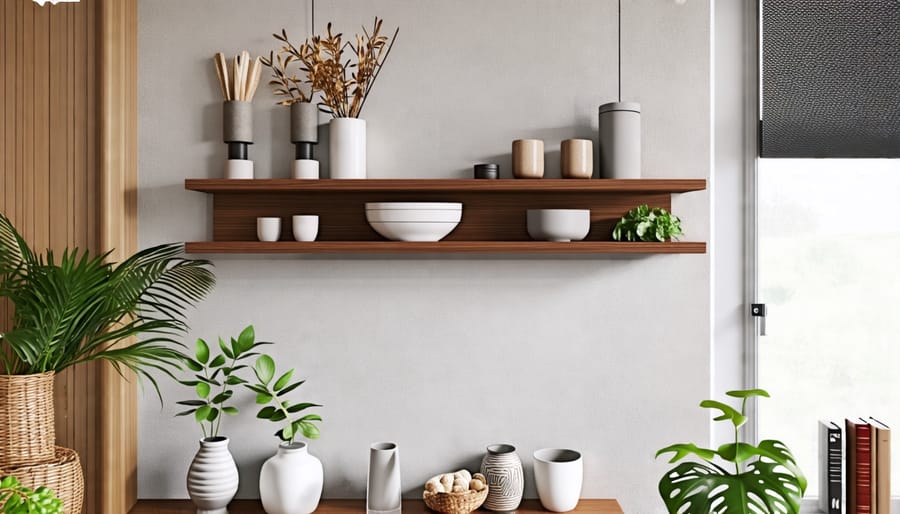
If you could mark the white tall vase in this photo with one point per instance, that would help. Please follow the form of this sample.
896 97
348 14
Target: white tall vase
290 482
212 479
383 487
347 147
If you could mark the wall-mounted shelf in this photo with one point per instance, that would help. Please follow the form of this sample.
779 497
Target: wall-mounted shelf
493 213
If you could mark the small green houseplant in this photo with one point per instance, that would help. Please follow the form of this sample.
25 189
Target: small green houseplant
18 499
644 223
271 394
766 477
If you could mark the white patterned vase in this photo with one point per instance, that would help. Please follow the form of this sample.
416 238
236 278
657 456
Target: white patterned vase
503 470
291 481
212 479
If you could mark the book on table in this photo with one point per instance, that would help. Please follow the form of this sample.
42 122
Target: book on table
881 437
830 467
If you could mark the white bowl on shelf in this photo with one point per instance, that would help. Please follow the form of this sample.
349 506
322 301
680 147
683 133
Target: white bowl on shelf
414 221
559 224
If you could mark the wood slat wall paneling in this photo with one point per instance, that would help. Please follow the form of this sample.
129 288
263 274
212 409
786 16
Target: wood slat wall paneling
49 175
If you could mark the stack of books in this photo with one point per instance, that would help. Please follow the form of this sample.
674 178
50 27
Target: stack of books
854 467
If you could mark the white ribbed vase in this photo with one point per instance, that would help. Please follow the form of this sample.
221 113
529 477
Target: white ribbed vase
212 479
291 481
503 471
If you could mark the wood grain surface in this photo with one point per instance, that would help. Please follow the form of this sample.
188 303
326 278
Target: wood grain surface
357 506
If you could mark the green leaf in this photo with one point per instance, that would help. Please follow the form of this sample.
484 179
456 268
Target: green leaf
265 369
290 388
231 411
222 397
186 412
262 399
682 450
257 389
266 412
193 365
245 340
283 380
309 430
218 361
203 390
202 351
311 417
202 413
235 380
301 406
191 403
225 349
736 452
213 414
728 412
748 393
287 432
279 415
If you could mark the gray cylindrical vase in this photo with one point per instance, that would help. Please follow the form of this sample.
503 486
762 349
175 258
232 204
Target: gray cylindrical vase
620 140
304 122
506 482
237 122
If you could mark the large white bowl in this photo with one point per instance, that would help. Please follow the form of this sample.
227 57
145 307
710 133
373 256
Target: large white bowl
413 230
406 206
414 215
559 224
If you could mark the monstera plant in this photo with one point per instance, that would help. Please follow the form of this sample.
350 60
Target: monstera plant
765 480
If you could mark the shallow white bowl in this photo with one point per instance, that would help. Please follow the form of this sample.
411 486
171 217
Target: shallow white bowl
420 215
559 224
405 206
413 230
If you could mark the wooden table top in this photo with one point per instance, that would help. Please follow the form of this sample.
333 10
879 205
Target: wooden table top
357 506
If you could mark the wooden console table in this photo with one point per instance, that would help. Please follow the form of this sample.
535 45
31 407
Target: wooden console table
356 507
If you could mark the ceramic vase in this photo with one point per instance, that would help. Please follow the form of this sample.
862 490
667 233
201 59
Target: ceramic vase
503 470
620 140
212 479
558 475
383 484
347 148
290 482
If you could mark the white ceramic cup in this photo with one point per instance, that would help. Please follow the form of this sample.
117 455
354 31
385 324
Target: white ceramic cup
305 169
306 227
268 229
239 169
558 474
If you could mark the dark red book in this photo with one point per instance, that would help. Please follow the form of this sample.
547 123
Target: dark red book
863 463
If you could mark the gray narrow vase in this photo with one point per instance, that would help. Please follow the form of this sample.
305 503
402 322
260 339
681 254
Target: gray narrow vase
304 123
237 122
620 140
503 470
383 483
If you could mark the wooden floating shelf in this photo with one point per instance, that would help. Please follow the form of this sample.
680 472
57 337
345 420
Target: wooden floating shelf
463 247
493 218
357 507
667 186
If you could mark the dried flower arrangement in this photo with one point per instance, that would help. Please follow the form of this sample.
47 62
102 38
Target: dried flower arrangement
321 59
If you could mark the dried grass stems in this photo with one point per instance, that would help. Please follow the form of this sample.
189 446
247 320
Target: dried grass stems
345 85
283 82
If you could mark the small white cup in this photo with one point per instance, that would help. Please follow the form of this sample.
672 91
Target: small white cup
305 169
306 227
238 169
558 474
268 229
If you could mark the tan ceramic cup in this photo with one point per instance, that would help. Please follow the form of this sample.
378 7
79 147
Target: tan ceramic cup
528 158
576 158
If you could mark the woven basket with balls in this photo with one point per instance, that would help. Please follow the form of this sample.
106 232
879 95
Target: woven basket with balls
455 493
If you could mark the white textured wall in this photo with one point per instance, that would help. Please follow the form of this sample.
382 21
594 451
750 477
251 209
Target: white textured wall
444 356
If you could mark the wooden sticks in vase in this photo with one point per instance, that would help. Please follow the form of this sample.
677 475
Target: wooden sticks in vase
239 82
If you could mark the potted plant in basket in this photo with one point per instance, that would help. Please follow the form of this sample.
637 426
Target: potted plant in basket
212 479
291 481
74 308
345 85
766 478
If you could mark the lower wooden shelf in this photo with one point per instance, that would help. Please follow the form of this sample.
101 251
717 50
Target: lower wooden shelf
472 247
356 506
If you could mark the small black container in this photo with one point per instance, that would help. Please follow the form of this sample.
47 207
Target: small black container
487 171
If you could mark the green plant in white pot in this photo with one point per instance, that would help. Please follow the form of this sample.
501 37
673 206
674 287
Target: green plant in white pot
765 479
290 481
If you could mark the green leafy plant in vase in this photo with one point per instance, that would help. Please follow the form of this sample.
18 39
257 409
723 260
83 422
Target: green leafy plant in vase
292 479
765 479
18 499
645 223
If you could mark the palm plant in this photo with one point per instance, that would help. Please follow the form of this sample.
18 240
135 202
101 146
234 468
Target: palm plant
75 308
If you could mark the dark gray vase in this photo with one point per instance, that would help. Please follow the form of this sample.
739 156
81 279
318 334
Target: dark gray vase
304 123
237 122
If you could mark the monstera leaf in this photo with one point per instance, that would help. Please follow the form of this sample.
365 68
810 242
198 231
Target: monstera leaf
770 482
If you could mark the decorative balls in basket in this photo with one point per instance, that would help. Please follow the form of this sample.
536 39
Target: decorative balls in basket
455 493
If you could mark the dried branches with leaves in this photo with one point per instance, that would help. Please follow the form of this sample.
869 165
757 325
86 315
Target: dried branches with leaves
344 84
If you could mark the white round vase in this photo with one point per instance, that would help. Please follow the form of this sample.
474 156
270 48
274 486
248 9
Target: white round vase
347 147
212 479
558 475
290 482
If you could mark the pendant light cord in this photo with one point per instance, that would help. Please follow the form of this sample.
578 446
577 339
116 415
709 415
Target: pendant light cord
312 29
620 49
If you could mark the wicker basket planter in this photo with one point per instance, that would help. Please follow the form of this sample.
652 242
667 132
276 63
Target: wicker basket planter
455 503
27 434
62 474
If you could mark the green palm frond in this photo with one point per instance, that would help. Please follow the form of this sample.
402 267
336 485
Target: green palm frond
75 309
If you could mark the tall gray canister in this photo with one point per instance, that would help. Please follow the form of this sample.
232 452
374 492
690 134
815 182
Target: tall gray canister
620 140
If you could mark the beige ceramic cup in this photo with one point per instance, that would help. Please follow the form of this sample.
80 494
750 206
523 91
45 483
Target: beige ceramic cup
576 158
528 158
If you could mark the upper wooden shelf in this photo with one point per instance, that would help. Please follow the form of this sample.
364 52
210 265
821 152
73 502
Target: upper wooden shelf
358 507
447 185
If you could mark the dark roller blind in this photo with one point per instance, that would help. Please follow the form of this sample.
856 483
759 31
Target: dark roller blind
830 78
